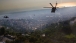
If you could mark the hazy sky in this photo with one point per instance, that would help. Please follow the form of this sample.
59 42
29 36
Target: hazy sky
28 4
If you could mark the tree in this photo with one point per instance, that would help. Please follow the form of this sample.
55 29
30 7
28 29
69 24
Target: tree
2 31
66 27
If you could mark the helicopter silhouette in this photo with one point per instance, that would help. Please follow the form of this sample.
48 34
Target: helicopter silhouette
53 8
6 17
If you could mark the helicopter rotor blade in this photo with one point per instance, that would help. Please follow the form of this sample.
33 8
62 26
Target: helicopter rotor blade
47 7
56 4
51 4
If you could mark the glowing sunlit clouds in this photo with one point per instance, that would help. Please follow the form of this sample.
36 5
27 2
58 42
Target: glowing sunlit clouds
67 4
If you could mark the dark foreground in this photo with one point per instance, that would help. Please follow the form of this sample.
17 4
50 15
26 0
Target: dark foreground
61 32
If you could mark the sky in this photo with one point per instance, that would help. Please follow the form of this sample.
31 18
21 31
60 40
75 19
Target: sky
29 4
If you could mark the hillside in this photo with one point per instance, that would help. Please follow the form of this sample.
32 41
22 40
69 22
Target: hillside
61 32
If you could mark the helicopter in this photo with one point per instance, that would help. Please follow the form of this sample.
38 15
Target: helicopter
6 17
54 8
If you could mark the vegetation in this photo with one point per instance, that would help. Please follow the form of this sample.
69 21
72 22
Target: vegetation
2 31
54 33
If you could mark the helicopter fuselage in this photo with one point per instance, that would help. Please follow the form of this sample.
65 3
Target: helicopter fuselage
53 10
